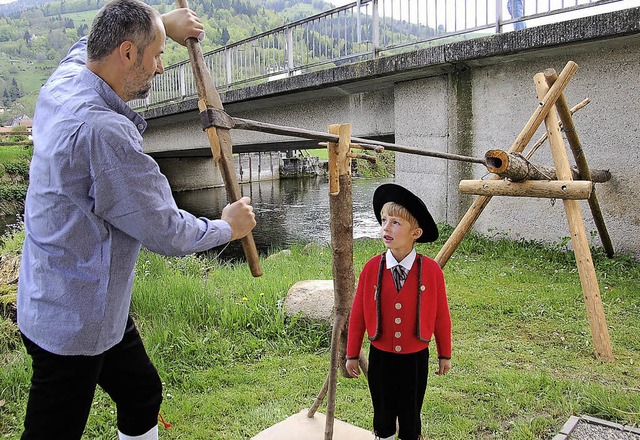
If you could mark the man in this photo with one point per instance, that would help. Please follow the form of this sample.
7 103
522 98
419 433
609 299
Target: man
94 198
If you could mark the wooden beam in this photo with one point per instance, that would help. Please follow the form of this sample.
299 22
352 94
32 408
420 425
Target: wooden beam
550 189
581 161
579 241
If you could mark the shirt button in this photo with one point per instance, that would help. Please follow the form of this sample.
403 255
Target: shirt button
398 320
398 348
398 306
398 334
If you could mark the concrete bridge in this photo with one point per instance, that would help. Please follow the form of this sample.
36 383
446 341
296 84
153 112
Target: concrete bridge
465 97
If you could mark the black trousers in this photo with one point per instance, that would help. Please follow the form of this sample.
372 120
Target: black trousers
397 383
62 389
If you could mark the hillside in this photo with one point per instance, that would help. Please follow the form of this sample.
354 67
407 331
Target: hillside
34 37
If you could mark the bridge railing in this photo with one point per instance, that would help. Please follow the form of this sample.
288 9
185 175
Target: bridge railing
357 31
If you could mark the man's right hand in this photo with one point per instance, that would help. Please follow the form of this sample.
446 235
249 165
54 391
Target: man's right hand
240 217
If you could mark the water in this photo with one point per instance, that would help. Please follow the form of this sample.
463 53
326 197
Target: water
287 211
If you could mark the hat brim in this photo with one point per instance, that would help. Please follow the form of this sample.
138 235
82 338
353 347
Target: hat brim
390 192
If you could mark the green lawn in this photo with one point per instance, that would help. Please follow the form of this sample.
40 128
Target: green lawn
233 364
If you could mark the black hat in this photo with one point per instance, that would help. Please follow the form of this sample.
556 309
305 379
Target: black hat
390 192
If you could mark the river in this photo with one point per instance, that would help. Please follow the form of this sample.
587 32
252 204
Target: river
287 211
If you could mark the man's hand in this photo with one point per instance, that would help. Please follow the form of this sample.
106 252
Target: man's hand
240 217
182 23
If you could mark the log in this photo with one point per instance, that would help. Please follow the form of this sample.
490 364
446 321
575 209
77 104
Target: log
581 161
517 168
588 279
478 205
550 189
341 225
219 138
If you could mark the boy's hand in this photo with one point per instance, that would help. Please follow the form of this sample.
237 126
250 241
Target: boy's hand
182 23
353 367
444 365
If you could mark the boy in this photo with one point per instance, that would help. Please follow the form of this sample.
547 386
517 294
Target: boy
400 302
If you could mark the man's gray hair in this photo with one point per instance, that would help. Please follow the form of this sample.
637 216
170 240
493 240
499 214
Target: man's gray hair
119 21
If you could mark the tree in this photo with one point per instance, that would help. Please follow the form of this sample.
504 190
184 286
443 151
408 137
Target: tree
14 90
224 37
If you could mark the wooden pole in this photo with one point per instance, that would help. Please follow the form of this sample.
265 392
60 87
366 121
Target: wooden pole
219 139
550 189
368 144
341 225
543 138
581 161
517 168
588 279
478 205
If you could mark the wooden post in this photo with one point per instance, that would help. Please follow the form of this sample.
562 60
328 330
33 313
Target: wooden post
341 224
551 189
219 139
478 205
590 288
581 161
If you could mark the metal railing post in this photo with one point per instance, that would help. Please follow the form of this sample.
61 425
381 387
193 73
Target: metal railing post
227 65
499 16
358 21
289 49
375 32
183 86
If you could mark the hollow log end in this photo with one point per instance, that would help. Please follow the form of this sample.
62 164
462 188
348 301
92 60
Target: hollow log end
497 161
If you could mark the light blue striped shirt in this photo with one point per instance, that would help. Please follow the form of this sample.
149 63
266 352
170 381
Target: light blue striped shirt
94 198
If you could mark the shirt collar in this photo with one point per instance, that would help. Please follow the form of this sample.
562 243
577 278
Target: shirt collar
112 100
407 262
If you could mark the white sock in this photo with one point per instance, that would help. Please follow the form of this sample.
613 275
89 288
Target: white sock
151 434
387 438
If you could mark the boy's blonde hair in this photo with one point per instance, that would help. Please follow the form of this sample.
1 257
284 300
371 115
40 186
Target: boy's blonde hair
397 210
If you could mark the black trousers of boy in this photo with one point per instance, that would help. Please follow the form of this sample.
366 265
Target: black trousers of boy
62 389
397 383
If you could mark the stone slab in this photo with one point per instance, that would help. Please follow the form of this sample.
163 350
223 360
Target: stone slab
299 426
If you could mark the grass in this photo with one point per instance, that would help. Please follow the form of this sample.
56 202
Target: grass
233 364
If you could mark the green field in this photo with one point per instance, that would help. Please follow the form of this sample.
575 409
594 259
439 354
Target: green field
233 364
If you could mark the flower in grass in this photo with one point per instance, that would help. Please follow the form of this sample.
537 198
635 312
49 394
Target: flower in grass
245 299
261 293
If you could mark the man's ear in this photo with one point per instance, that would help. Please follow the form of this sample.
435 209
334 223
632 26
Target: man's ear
417 233
127 52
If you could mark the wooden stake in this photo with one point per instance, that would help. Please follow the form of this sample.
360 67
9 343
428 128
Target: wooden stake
341 224
590 288
219 139
478 205
550 189
581 161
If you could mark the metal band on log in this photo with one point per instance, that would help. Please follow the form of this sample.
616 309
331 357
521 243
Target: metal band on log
517 168
551 189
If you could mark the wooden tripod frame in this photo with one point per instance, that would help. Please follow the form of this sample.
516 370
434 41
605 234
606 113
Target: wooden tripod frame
549 87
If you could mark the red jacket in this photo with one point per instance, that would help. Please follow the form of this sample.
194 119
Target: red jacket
391 321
